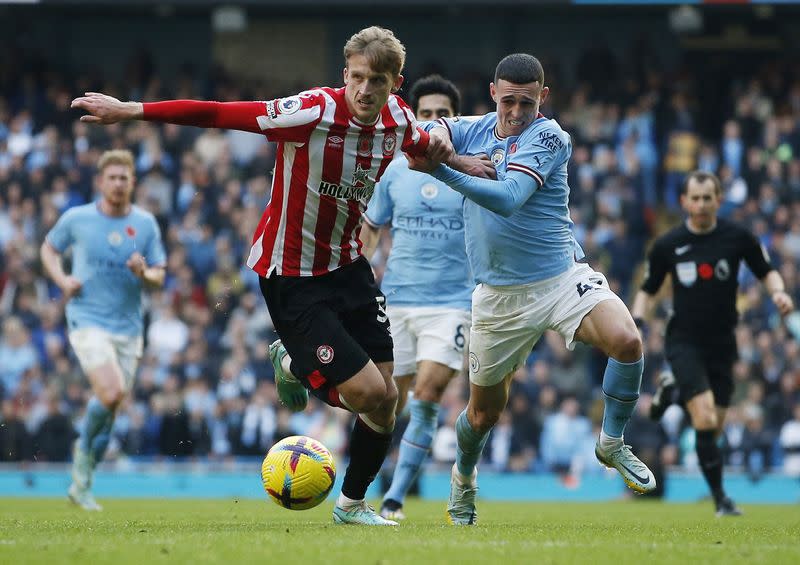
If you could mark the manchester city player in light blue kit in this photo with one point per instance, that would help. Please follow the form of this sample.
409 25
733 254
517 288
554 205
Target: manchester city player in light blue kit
523 255
116 252
427 286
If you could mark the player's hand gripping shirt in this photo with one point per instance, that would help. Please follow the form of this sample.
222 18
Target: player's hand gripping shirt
428 262
326 167
529 235
111 295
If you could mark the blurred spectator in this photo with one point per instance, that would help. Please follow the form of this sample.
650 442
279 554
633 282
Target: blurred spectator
15 442
53 440
17 355
562 435
790 443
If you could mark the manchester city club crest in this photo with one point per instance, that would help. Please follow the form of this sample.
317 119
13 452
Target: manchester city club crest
474 364
498 156
429 190
114 239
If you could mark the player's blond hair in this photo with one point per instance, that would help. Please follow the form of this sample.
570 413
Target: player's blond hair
115 157
382 49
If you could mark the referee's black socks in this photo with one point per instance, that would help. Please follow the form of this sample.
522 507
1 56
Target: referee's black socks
710 458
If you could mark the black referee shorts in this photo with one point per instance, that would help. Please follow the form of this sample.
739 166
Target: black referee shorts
331 324
701 365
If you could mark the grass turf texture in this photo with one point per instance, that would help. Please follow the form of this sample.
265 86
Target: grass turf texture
144 532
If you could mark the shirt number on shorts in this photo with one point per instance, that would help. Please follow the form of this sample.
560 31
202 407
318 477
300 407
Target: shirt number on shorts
381 317
459 338
583 288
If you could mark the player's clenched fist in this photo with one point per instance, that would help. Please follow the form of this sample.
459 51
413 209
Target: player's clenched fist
440 148
137 264
70 287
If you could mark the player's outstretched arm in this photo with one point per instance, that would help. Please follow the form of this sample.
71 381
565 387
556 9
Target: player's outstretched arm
502 197
104 109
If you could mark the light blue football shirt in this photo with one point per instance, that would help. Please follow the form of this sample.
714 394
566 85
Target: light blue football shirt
428 262
535 242
111 296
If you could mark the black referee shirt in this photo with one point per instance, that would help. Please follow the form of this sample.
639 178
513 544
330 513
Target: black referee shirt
704 270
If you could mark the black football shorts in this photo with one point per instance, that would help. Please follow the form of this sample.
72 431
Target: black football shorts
331 324
701 365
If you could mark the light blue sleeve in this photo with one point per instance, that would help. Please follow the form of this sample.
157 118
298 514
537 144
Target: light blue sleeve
503 197
381 207
540 152
60 236
456 127
155 255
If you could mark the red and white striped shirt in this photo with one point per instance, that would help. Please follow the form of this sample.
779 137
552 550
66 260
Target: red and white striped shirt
326 168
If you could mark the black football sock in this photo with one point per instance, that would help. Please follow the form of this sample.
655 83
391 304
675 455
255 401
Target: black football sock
368 449
710 459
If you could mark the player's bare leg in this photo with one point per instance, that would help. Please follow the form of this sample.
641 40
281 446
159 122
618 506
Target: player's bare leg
609 327
486 403
432 379
707 420
108 385
403 384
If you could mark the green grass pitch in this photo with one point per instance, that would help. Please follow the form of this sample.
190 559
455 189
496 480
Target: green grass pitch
146 532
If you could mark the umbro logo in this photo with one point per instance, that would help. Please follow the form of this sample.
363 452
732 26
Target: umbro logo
683 249
335 140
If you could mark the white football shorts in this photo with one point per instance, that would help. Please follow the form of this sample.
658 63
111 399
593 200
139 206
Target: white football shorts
507 321
94 347
428 333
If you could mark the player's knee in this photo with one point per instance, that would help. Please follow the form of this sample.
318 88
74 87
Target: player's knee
627 347
111 397
483 420
369 397
705 420
429 392
391 397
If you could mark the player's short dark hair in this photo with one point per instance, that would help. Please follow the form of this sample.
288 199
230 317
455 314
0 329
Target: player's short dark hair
702 177
519 68
435 84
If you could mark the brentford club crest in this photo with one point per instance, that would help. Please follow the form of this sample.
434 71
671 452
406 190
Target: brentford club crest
325 354
389 143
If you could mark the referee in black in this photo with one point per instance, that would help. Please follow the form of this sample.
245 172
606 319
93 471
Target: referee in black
703 256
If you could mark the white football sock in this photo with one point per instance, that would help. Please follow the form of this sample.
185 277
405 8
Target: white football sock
345 502
607 442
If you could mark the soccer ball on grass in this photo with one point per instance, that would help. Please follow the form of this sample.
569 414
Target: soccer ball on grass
298 473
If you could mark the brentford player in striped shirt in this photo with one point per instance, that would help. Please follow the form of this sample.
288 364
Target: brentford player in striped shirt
333 146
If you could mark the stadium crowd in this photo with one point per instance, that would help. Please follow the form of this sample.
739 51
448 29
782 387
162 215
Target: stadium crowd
205 385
